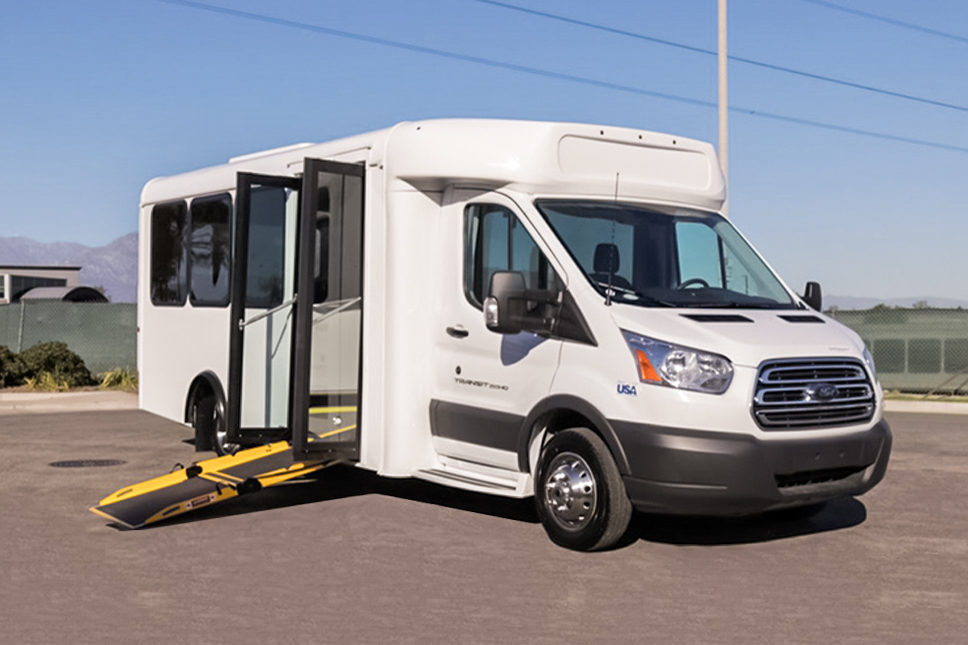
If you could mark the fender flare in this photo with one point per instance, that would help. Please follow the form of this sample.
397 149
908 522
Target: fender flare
569 406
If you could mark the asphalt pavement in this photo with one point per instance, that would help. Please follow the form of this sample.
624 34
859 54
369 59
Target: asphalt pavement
354 558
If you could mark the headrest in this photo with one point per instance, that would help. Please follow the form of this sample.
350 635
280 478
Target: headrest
606 258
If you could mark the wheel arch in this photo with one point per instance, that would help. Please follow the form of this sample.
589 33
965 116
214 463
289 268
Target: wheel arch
562 411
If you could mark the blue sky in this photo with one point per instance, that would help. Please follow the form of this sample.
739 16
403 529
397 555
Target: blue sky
98 97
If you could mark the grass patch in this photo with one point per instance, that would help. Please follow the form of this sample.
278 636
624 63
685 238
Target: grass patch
120 378
46 382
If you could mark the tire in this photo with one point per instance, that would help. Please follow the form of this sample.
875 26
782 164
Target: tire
208 419
579 493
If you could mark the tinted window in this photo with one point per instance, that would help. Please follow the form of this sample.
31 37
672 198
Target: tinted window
21 284
494 240
210 251
267 236
168 254
321 270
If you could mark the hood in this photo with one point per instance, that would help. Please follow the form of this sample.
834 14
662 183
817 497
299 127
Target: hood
745 336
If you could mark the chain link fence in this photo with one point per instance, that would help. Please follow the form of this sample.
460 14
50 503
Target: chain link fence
103 334
921 350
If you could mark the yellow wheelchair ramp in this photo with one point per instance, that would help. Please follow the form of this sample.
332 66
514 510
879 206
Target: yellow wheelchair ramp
204 483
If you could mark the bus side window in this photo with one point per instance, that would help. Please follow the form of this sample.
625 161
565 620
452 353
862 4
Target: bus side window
210 251
168 274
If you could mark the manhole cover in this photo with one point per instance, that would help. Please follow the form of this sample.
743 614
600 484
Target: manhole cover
87 463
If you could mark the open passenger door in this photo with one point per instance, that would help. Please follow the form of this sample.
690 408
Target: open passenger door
296 321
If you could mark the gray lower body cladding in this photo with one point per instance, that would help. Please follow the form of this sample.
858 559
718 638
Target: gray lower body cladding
672 470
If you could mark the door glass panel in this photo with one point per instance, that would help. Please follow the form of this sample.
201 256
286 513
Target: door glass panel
334 377
270 282
267 239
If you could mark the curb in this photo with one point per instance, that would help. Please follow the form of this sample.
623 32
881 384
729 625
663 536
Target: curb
53 402
930 407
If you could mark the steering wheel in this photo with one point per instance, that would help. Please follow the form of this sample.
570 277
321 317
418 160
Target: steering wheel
693 281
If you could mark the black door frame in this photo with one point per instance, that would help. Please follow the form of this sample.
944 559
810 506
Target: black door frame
244 183
302 341
301 350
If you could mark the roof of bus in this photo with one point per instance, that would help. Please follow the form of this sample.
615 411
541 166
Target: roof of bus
542 158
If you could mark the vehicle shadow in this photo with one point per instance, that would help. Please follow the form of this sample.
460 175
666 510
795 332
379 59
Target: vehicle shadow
341 482
777 525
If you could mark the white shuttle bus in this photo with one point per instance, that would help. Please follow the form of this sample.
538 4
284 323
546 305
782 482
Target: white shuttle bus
513 308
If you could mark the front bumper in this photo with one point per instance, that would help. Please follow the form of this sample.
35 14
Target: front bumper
672 470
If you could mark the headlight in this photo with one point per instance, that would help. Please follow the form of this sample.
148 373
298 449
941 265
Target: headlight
662 363
869 359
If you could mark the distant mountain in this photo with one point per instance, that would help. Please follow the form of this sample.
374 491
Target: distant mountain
857 303
113 266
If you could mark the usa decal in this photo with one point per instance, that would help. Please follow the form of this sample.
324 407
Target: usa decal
625 388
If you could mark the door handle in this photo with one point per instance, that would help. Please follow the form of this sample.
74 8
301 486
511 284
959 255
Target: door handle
457 332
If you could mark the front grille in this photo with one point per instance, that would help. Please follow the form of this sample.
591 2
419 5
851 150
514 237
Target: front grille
794 394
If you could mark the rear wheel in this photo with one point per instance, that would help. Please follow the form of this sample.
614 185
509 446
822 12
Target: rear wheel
208 419
579 493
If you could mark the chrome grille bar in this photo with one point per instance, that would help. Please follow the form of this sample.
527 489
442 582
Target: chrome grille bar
812 393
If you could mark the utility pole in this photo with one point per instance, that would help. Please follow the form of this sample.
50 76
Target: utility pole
723 103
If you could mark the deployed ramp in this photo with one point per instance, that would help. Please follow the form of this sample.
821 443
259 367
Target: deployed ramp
205 483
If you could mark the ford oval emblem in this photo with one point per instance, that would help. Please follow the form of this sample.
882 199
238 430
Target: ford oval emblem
823 392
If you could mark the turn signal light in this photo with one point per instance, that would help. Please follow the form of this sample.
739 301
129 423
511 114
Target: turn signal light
646 371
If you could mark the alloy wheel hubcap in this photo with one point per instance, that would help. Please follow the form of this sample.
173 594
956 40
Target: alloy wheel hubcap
569 490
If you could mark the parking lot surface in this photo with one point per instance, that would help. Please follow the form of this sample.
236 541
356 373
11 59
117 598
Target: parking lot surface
353 558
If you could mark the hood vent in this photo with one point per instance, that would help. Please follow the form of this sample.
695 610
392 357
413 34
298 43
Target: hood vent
803 319
717 318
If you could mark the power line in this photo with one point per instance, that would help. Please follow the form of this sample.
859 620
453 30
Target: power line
282 22
889 21
434 52
738 59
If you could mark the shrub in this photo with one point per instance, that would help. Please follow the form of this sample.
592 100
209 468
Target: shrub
64 366
11 368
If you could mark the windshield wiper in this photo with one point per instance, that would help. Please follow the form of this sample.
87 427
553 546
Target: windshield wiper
732 304
643 298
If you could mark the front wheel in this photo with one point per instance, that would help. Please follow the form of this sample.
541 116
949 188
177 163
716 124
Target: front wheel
579 493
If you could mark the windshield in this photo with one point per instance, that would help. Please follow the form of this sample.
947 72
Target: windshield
655 257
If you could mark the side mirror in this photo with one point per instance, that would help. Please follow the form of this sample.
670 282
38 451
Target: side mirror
510 307
813 296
